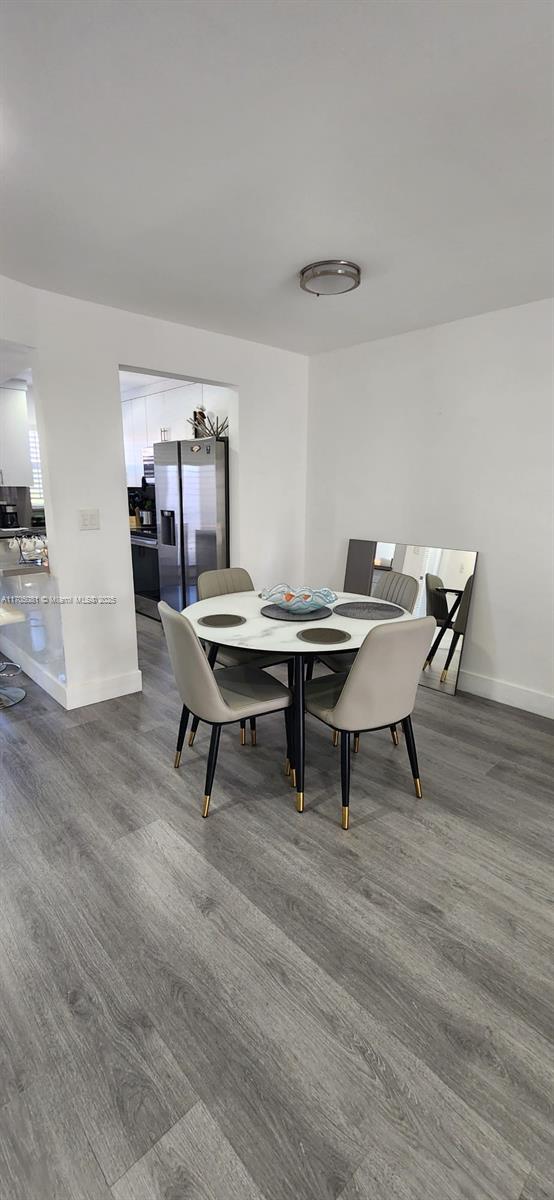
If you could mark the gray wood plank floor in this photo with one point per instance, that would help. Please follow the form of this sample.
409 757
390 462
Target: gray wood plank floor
261 1006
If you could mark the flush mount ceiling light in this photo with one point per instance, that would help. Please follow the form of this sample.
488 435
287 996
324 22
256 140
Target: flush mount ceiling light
330 277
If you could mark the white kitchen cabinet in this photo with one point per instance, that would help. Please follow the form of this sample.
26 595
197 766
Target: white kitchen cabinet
135 438
15 454
168 409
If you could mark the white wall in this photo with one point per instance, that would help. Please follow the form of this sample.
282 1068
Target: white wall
443 437
78 349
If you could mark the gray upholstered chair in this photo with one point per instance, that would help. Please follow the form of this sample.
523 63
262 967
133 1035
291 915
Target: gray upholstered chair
436 603
224 582
379 690
437 607
459 627
217 697
395 587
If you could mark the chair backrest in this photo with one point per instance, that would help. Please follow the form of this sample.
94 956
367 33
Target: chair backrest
221 583
382 683
193 675
396 587
437 606
460 620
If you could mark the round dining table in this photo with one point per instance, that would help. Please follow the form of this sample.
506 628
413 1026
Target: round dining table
259 632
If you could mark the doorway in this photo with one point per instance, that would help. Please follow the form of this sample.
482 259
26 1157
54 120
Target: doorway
180 504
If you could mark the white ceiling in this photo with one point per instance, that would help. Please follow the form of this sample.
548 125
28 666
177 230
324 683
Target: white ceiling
185 158
132 382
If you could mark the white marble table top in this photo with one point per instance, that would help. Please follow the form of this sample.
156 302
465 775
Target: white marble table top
264 633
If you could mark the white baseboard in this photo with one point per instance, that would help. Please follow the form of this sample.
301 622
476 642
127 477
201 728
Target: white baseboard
76 695
34 670
506 693
96 690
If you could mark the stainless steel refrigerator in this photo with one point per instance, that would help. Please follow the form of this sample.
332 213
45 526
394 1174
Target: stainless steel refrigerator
192 506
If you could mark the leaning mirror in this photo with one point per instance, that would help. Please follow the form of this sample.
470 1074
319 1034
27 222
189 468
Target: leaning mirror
427 580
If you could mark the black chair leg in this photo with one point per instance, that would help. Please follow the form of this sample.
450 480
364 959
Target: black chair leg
193 728
412 754
253 731
345 777
243 732
297 773
455 639
181 735
309 670
212 654
394 734
210 772
435 645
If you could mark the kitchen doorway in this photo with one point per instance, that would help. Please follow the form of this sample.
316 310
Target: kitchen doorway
181 444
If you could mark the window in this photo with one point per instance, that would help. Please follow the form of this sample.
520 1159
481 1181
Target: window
37 493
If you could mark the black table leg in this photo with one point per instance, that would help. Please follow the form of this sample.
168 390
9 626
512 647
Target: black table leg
299 729
288 736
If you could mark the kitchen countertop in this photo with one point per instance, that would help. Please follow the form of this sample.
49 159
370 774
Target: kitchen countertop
23 569
23 531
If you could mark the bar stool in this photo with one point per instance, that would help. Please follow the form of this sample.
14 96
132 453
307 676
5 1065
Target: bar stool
10 695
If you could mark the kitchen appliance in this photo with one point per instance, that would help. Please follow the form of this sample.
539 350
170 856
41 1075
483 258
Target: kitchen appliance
8 516
192 504
146 578
15 508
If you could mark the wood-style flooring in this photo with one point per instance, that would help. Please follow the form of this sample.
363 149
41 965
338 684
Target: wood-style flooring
261 1006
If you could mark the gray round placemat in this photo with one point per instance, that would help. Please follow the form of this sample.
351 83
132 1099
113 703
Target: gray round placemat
281 614
218 620
368 610
324 637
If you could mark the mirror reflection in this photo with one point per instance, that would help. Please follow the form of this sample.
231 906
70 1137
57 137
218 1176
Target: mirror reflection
426 580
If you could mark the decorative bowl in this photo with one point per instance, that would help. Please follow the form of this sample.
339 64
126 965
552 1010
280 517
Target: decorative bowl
299 600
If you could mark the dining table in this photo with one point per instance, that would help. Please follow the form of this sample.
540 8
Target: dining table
236 620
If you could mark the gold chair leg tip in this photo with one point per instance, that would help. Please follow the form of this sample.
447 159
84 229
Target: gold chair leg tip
335 737
191 738
395 739
242 737
345 817
292 777
300 802
418 790
206 806
356 745
177 759
443 676
287 766
253 737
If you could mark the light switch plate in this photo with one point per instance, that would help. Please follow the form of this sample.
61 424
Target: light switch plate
89 518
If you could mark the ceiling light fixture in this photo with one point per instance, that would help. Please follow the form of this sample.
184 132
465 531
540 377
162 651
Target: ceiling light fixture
330 277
